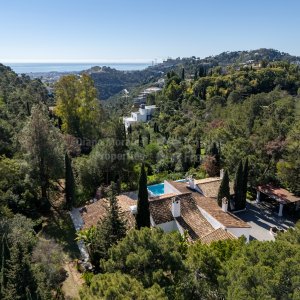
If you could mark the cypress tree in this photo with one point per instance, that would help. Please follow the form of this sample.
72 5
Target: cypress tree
182 74
245 181
3 264
198 153
154 127
140 141
70 182
224 190
214 151
148 138
238 187
143 212
129 129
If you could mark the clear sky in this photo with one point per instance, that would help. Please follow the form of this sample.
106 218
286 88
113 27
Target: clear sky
142 30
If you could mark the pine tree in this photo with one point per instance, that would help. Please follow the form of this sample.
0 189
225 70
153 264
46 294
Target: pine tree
245 181
224 190
109 231
143 212
70 182
238 187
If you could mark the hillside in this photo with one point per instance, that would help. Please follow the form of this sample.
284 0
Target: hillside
110 82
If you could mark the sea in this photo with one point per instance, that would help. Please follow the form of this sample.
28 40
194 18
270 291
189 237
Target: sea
27 68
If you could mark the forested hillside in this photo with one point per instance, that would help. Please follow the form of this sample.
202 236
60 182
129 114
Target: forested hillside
109 81
209 117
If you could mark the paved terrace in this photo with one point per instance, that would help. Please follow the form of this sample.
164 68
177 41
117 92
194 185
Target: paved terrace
261 217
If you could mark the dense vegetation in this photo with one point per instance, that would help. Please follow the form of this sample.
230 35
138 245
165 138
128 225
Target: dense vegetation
166 267
212 114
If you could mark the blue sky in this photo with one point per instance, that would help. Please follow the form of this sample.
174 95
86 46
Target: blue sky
142 30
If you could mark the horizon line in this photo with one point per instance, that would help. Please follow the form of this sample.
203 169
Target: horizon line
94 61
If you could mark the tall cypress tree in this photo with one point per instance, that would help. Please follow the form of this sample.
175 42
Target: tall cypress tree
143 212
182 74
214 151
70 182
129 129
198 153
140 141
238 187
224 190
245 181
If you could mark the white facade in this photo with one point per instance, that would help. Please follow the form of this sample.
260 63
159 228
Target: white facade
168 227
170 189
144 114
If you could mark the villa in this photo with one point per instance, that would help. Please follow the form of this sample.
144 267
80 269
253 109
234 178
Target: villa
185 206
144 114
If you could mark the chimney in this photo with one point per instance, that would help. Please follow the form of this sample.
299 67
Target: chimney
176 207
221 173
225 204
191 183
133 209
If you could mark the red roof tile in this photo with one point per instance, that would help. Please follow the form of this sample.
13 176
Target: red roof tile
217 235
282 194
225 218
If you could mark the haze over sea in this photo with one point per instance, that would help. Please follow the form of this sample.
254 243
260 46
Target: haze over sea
71 67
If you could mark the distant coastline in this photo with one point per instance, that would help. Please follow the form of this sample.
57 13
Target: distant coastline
28 68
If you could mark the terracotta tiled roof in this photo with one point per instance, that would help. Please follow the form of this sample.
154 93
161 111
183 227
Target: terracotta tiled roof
162 196
210 186
217 235
225 218
160 209
192 220
282 194
95 212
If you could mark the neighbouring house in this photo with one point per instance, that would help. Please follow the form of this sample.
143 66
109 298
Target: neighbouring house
189 207
144 114
282 196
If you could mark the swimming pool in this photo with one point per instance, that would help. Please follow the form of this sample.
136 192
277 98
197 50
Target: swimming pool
159 189
156 189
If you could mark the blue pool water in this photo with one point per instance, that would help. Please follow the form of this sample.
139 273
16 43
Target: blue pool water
159 189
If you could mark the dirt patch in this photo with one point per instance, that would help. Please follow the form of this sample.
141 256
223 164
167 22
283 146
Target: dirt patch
73 283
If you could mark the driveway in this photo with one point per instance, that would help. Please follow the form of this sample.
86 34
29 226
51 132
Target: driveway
261 219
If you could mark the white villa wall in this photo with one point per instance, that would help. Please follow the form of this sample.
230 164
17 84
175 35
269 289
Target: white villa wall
168 227
179 228
142 115
170 189
214 223
152 222
238 232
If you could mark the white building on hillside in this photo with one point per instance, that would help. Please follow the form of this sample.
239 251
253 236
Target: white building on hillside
144 114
